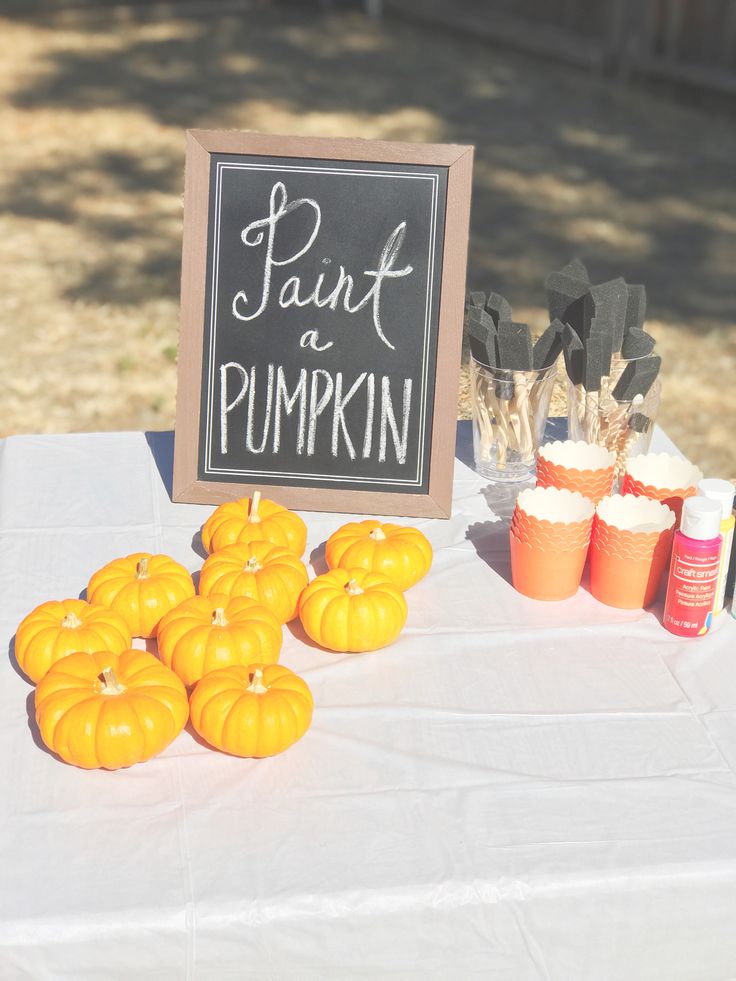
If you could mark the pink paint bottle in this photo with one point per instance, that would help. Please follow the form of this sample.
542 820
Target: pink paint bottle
693 579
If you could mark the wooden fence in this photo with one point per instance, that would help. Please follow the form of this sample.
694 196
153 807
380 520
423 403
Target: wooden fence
691 41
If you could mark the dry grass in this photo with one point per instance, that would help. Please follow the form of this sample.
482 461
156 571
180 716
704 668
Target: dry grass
91 142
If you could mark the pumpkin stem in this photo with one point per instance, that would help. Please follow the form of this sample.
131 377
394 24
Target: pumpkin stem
218 618
71 621
377 534
141 569
110 683
352 588
255 502
256 682
253 565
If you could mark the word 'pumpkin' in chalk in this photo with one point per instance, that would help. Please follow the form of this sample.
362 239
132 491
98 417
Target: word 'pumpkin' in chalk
401 554
258 710
269 574
254 520
209 632
352 610
142 588
107 711
60 627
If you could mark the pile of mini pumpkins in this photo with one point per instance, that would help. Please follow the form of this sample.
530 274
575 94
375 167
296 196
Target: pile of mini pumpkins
102 704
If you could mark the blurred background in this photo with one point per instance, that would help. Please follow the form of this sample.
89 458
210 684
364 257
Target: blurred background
604 129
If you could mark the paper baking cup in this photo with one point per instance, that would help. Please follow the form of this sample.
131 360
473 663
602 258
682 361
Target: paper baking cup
673 499
663 471
546 535
556 505
546 574
630 548
628 582
593 484
637 514
572 454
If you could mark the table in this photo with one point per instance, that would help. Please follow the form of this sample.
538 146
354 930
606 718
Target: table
514 790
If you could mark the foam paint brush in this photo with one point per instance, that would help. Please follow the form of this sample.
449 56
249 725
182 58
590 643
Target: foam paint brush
481 336
636 307
566 299
637 344
605 331
607 302
637 378
499 308
548 346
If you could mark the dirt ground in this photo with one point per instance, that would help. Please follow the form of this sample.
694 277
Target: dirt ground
91 173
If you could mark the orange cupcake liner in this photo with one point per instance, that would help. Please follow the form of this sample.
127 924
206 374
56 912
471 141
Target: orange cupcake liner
593 484
547 543
673 498
546 575
625 582
622 538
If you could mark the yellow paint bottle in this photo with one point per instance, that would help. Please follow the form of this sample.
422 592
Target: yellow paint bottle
721 491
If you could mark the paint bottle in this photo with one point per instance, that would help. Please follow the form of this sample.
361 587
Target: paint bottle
693 578
721 491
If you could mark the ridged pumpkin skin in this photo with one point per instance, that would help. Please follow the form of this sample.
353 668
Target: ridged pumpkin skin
352 610
205 633
269 574
60 627
258 710
254 520
107 711
142 588
401 554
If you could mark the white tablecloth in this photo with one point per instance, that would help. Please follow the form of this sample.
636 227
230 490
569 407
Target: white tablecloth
514 790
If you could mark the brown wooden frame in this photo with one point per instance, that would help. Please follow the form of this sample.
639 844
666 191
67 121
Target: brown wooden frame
459 161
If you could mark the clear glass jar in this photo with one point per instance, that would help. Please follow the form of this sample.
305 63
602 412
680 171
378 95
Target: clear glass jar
510 411
624 427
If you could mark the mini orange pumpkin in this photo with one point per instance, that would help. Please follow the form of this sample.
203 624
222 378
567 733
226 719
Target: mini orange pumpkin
254 520
208 632
352 610
60 627
106 710
258 710
401 554
269 574
142 588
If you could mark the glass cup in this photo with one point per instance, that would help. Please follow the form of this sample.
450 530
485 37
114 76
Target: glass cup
626 427
510 411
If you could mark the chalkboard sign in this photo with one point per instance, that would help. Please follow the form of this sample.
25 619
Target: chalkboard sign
321 321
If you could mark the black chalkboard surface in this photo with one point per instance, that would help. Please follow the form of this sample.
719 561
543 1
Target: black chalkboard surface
323 286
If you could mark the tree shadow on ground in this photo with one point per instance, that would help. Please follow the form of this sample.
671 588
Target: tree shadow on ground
565 163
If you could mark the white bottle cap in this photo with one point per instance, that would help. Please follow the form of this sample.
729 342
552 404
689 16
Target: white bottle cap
718 490
701 518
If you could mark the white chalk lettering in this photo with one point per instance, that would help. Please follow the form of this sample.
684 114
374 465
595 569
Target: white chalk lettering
327 410
289 402
317 404
310 338
369 409
278 209
251 411
388 417
225 406
291 291
338 414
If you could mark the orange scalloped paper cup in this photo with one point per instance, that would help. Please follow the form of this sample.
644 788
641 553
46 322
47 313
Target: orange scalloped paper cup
577 466
625 582
632 539
556 505
546 575
662 477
